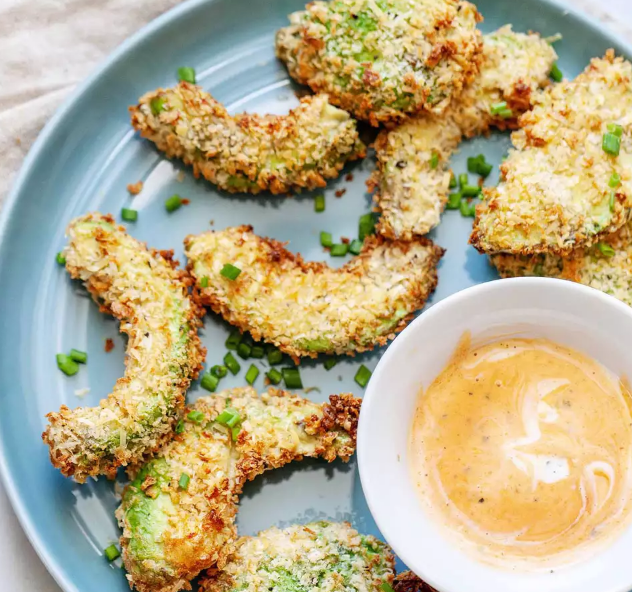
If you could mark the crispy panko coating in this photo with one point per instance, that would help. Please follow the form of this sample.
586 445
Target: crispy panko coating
307 308
315 557
150 296
606 266
382 60
554 194
178 513
411 192
249 153
407 581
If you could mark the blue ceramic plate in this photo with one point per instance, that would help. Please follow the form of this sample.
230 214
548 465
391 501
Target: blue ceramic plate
83 161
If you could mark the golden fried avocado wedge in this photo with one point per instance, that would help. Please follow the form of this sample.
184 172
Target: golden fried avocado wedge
382 60
249 153
407 581
569 180
412 177
315 557
150 296
606 266
178 513
307 308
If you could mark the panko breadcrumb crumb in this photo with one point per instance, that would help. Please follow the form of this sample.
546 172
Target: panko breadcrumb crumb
412 188
314 557
150 296
606 266
249 153
555 192
307 308
382 60
178 513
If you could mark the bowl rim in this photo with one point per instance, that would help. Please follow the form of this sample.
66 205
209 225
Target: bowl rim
370 401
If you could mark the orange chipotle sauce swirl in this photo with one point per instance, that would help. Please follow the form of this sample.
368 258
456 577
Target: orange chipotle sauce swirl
523 448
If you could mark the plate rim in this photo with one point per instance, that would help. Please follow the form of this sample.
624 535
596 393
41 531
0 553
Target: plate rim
8 481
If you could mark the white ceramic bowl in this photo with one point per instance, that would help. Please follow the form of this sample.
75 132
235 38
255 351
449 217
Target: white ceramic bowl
568 313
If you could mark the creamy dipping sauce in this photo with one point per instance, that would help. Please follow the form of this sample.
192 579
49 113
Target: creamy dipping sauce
523 448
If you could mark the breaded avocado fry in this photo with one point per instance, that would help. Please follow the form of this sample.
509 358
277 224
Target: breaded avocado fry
178 513
557 191
315 557
249 153
407 581
150 296
307 308
606 266
382 60
412 176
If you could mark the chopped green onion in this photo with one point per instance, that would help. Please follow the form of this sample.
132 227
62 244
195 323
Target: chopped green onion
173 203
319 203
157 105
234 339
452 184
478 165
230 272
234 432
195 416
611 144
186 74
330 363
275 356
434 160
362 376
251 374
556 73
219 371
179 427
538 269
129 215
463 179
244 350
613 199
506 114
386 587
111 553
274 376
339 250
355 247
366 226
496 108
326 239
292 378
209 382
60 258
204 281
454 201
470 190
468 209
67 365
257 351
183 482
231 363
615 180
229 417
606 249
616 129
78 356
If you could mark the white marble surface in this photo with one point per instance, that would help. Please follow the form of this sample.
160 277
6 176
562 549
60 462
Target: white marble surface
20 568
